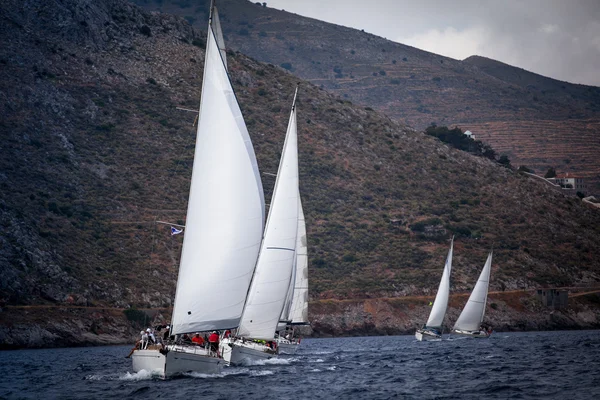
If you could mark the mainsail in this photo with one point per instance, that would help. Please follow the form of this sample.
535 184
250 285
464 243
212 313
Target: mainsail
226 208
299 309
270 284
440 304
472 315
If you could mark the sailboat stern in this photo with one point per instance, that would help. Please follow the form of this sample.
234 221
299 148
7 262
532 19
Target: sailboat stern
427 335
152 361
244 352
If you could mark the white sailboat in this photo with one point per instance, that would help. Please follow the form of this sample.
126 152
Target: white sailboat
270 284
296 311
224 226
469 321
432 330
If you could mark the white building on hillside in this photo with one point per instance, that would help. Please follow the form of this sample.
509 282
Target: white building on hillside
570 181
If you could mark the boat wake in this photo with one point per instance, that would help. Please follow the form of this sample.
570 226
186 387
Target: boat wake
140 375
274 361
128 376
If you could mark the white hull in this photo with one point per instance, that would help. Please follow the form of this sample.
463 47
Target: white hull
238 352
426 335
472 334
149 360
287 348
178 360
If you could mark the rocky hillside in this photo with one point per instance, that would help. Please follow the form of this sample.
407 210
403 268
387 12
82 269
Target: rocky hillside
538 122
94 151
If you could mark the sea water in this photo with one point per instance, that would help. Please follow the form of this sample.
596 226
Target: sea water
533 365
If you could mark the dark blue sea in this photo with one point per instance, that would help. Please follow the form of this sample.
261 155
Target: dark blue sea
534 365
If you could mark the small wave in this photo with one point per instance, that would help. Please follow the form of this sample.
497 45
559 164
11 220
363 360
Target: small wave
317 353
229 371
140 375
262 372
200 375
274 361
332 368
95 377
319 360
315 370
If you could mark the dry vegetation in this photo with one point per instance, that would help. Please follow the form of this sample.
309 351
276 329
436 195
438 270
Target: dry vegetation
95 152
538 122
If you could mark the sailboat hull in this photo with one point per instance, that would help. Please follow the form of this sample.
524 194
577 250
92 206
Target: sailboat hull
473 334
238 352
287 348
178 360
149 360
426 335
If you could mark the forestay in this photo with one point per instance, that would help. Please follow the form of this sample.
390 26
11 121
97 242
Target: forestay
225 215
440 304
472 315
274 267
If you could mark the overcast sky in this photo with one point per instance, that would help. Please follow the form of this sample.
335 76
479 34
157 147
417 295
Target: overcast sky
555 38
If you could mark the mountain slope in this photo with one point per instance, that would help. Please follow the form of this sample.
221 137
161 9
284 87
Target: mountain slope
94 151
533 124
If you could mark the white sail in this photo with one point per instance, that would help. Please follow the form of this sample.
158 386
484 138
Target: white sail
472 315
299 309
225 215
284 318
440 304
216 25
273 271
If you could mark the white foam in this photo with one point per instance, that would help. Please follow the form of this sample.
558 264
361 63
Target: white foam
273 361
223 374
332 368
319 352
262 372
319 360
95 377
140 375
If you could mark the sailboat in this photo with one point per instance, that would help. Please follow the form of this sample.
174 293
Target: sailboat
432 330
469 321
224 226
273 273
296 310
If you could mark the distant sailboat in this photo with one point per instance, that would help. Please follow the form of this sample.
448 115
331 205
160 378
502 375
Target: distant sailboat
296 311
224 227
434 326
469 321
254 339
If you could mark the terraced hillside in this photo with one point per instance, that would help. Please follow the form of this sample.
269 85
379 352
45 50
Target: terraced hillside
557 122
94 151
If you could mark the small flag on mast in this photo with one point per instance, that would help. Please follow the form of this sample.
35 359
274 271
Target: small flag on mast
175 231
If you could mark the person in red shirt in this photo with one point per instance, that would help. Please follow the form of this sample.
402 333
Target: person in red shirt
213 339
197 339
